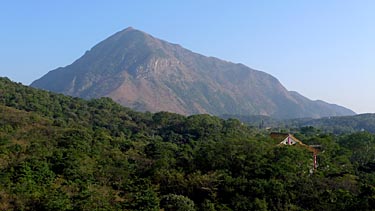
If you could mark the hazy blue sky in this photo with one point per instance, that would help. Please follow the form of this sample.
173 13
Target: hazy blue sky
323 49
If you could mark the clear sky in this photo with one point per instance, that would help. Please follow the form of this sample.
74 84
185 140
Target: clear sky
324 49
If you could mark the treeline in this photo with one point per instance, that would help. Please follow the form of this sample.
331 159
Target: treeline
64 153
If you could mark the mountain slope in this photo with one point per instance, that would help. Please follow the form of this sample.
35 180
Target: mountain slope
146 73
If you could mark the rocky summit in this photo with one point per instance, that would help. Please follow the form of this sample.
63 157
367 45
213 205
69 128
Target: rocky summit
148 74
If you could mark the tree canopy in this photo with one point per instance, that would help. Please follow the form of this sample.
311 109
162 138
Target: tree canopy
65 153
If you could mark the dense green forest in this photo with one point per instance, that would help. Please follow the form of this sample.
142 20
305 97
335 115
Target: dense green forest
64 153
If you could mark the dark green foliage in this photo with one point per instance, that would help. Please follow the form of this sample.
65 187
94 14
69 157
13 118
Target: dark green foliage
63 153
173 202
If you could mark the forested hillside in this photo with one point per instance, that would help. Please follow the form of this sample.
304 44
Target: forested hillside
64 153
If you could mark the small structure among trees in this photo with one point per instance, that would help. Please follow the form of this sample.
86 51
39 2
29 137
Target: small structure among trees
289 139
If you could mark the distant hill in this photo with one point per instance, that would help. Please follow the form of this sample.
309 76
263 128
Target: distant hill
148 74
336 125
344 124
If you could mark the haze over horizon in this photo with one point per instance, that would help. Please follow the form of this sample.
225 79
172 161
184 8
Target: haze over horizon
320 49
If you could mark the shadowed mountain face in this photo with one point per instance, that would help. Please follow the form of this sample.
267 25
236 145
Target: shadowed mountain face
148 74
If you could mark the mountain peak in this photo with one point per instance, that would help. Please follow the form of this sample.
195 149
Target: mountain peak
131 38
146 73
129 29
